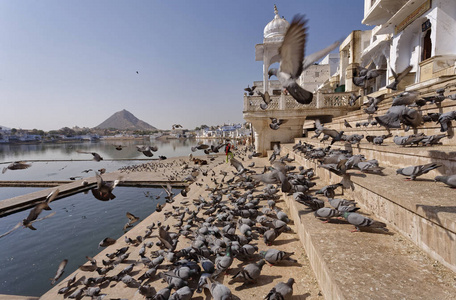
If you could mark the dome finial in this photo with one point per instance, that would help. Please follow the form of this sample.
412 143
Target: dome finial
276 11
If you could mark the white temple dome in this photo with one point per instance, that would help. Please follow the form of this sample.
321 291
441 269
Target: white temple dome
277 27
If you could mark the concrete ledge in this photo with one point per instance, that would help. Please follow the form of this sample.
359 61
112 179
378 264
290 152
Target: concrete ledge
368 265
421 210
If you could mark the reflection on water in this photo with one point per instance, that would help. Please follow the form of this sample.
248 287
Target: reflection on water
29 258
50 156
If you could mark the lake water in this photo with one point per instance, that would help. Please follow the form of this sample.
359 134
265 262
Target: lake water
29 258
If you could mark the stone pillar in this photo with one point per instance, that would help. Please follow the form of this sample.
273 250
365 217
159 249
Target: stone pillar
264 135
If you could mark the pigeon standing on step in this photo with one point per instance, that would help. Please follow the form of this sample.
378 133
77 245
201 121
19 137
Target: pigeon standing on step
414 171
361 221
449 180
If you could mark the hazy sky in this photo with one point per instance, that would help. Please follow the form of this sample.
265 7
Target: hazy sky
67 63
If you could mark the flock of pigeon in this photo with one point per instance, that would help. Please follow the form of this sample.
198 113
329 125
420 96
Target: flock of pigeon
222 225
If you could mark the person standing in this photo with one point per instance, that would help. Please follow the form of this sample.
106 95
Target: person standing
228 152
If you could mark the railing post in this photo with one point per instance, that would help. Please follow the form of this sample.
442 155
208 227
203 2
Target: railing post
246 103
282 102
319 100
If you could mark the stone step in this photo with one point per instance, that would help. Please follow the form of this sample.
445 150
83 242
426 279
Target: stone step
391 155
368 264
421 210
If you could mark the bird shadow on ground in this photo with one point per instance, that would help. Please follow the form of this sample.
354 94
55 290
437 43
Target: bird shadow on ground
283 242
263 280
300 297
432 212
304 212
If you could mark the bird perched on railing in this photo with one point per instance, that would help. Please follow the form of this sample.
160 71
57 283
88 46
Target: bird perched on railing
250 90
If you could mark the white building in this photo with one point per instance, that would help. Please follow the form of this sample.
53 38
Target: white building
421 33
268 52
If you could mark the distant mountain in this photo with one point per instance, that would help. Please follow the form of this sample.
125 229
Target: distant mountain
125 120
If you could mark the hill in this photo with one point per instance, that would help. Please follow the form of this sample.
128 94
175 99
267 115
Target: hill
125 120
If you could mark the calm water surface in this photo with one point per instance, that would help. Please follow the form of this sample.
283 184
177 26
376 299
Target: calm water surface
29 258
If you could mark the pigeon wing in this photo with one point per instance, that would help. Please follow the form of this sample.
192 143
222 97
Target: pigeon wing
292 49
316 56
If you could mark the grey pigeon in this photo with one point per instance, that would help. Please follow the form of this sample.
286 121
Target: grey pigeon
218 290
398 77
292 61
445 120
415 171
405 98
449 180
281 291
275 123
361 221
274 256
326 213
184 293
250 272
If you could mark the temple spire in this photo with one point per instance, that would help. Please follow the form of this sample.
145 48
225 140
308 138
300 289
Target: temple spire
276 11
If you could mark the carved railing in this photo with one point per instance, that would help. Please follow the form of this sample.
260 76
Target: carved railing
287 102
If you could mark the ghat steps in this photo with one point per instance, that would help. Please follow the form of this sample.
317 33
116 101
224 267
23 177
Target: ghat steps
372 264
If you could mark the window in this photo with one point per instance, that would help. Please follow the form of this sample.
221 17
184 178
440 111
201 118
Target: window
427 46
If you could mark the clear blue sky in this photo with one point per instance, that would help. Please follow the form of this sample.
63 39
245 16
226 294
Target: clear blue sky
67 63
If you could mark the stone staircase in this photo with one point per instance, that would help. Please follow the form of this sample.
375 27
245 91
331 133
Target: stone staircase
402 264
417 259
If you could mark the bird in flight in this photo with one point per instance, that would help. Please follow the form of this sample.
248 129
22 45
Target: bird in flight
293 62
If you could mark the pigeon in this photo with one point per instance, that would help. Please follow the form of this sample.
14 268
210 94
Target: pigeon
223 262
398 77
449 180
275 123
353 99
60 271
131 220
292 61
281 291
273 256
107 242
96 156
184 293
361 221
445 120
326 213
266 99
347 124
17 165
103 191
218 290
250 273
146 150
36 211
250 90
405 98
415 171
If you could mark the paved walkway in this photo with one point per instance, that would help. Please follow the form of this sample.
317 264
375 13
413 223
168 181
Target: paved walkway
306 286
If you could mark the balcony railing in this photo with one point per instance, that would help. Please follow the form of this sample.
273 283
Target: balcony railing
287 102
